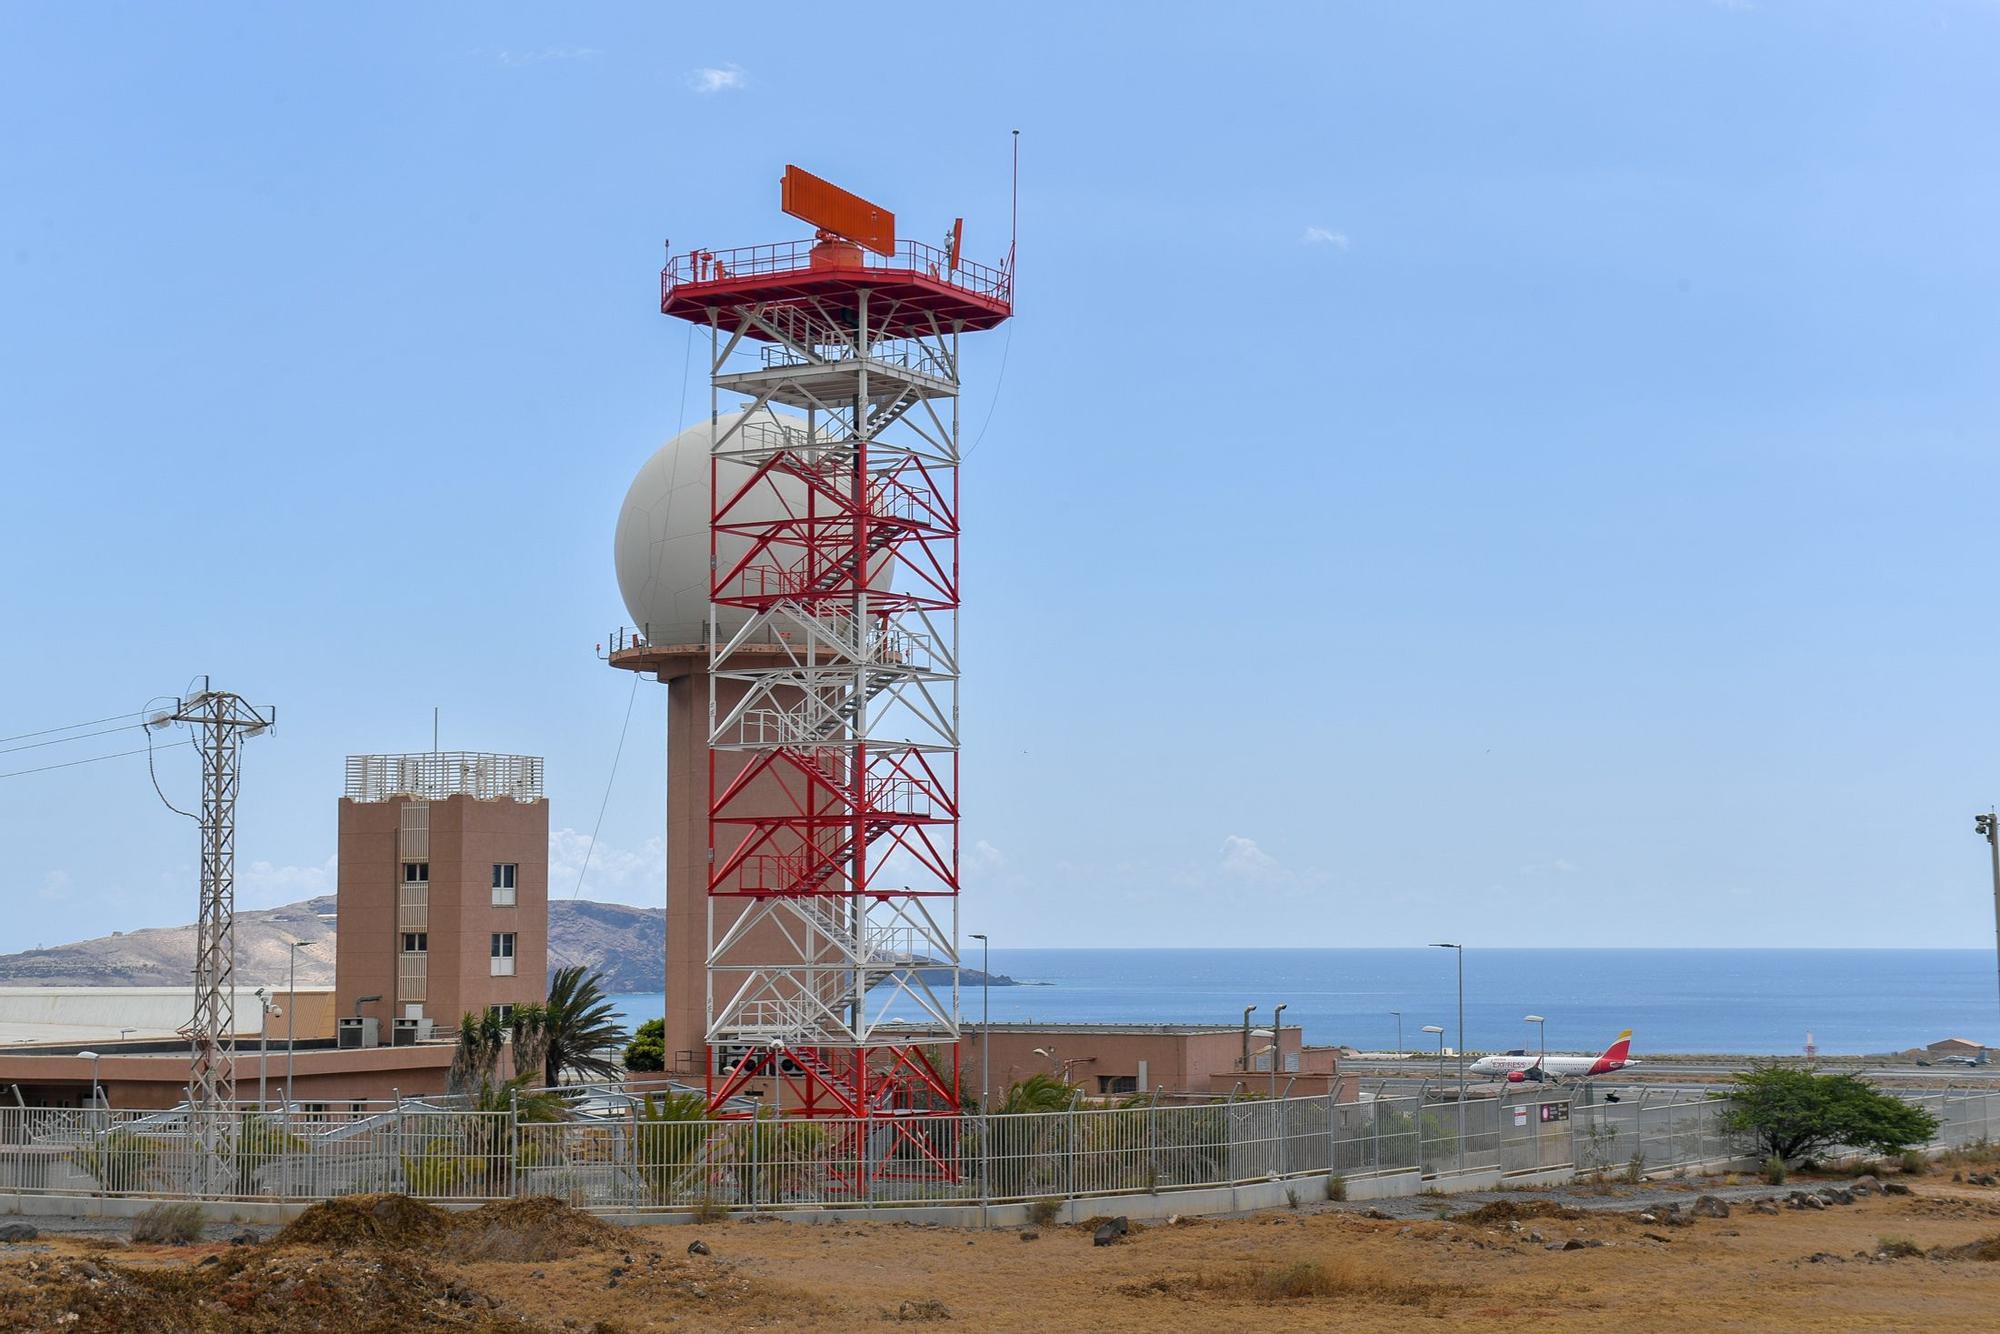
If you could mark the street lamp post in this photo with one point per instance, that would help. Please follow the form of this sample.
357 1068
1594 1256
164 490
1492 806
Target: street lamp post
291 1010
985 1075
1542 1065
263 1043
95 1095
985 1021
1988 826
1277 1025
1399 1033
1433 1028
1460 949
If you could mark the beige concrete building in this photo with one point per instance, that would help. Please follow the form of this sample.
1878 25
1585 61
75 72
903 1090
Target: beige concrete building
1112 1060
443 891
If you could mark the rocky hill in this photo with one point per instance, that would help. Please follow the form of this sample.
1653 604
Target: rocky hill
626 944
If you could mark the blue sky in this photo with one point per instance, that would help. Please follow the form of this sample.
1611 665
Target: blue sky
1521 473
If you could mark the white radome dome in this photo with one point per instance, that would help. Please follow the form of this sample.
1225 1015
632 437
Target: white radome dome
661 548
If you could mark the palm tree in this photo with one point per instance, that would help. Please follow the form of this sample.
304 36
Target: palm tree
480 1039
573 1030
1039 1093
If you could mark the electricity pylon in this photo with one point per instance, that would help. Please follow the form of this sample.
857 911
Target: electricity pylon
221 721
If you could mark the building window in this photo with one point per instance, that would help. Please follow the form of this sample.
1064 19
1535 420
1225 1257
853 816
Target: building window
1118 1083
416 873
413 968
504 874
503 954
506 1013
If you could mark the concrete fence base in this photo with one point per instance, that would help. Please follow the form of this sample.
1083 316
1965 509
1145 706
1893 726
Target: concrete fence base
1247 1197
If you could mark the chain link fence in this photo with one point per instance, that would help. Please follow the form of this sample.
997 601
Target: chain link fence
634 1155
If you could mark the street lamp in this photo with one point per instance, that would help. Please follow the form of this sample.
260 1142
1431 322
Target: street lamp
94 1093
1542 1065
1433 1028
1277 1026
1460 949
1988 826
1048 1054
1399 1033
985 1021
291 1009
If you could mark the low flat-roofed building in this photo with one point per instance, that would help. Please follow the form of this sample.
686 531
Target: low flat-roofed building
1114 1060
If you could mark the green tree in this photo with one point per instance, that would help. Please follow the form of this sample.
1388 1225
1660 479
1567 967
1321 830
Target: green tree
1794 1113
648 1048
572 1030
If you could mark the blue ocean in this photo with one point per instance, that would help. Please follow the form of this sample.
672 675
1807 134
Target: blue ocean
1750 1001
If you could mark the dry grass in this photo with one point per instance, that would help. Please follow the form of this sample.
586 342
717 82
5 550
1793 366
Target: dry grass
169 1224
1344 1277
1512 1211
1986 1248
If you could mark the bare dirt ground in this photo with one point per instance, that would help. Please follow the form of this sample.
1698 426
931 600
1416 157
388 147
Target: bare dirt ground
385 1264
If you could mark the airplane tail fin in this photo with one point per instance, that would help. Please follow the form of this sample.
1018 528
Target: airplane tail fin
1615 1055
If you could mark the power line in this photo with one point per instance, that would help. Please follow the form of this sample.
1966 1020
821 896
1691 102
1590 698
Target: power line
71 764
630 700
51 731
62 740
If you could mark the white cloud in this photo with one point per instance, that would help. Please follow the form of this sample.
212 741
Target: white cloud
1324 236
620 875
1557 866
982 859
1242 859
547 54
267 885
717 79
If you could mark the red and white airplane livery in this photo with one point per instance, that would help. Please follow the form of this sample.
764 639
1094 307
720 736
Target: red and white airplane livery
1518 1069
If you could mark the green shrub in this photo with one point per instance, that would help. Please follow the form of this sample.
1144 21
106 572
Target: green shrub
670 1133
169 1224
1774 1170
1914 1162
648 1048
1336 1187
1898 1248
1797 1115
1044 1212
708 1209
121 1161
1635 1168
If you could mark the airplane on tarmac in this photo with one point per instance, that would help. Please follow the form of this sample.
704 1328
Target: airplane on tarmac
1520 1068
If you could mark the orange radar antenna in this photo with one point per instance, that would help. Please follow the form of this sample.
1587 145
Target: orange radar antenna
832 209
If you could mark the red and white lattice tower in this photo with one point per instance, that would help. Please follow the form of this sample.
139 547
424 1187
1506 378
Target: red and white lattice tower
832 965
